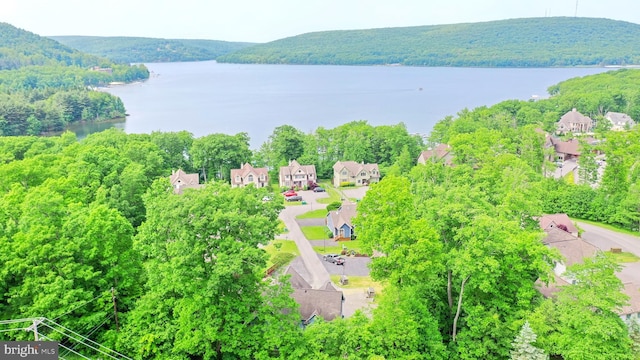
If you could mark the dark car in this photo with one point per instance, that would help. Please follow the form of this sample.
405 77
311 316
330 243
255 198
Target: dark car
319 189
294 198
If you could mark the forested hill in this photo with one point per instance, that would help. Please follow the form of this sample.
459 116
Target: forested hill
20 48
45 86
138 49
532 42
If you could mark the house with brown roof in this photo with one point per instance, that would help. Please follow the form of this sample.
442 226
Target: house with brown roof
296 175
247 174
574 122
560 221
340 222
619 121
570 149
181 180
358 174
325 302
441 153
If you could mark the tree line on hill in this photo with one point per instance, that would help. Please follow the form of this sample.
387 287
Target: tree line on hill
123 49
532 42
44 86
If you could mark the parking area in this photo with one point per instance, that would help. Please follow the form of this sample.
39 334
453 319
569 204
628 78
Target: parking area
353 266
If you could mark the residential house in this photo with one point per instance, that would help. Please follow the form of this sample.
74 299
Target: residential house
181 180
340 222
247 174
560 221
358 174
619 121
567 150
574 122
441 153
325 302
296 175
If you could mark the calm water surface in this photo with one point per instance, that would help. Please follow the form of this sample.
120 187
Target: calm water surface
206 97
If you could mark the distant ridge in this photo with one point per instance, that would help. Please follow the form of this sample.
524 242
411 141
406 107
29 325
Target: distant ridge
140 49
530 42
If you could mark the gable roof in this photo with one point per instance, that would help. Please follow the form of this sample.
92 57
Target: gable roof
354 167
572 248
619 119
247 169
436 154
180 177
343 215
553 220
295 167
325 302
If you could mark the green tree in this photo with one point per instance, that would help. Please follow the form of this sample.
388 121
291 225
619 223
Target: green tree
523 348
217 154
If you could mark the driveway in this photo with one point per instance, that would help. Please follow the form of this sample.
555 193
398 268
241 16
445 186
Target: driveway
605 239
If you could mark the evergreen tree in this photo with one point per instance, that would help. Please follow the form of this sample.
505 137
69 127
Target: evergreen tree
523 348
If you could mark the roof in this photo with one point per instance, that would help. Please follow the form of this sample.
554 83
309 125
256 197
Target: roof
553 220
572 248
620 119
633 292
295 167
436 154
343 215
570 147
554 286
575 117
247 169
325 302
181 180
354 167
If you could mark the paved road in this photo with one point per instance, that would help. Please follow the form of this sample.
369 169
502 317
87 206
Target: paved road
313 266
605 239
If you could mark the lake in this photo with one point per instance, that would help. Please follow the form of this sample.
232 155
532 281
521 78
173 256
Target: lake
207 97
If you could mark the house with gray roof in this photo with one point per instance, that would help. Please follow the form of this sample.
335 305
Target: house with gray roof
574 122
325 302
357 174
340 222
619 121
296 175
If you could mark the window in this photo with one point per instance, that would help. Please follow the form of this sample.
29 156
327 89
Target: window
363 174
344 172
250 178
286 177
237 178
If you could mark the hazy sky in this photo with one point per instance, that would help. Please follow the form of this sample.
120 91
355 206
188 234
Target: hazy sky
267 20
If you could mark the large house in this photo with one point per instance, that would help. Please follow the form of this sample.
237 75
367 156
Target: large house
247 174
574 122
181 180
441 153
325 302
296 175
560 221
619 121
340 222
358 174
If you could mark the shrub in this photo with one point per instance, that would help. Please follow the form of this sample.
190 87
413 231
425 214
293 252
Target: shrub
334 206
347 184
281 259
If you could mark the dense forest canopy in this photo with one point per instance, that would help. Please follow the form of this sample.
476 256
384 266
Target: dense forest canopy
123 49
532 42
44 85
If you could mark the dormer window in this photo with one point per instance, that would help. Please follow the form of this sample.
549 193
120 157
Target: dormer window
250 178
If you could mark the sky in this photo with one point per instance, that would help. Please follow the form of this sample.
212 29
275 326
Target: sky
268 20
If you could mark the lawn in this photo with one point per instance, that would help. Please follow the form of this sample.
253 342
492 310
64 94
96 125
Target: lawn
314 214
314 232
359 282
625 257
334 195
286 247
333 247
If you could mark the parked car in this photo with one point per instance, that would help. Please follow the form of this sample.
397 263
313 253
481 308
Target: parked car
293 198
290 193
318 189
267 198
330 257
339 260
